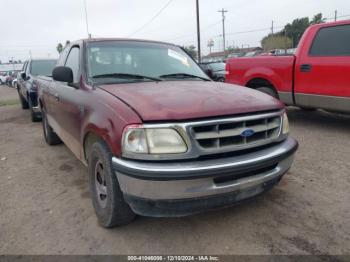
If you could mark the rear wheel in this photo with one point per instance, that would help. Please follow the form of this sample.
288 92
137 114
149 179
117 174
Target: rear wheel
107 198
51 137
268 91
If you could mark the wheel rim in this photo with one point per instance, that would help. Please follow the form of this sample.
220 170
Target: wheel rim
100 184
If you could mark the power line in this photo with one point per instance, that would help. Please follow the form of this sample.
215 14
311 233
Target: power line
152 19
193 34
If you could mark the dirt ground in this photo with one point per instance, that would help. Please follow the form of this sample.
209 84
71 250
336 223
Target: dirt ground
45 206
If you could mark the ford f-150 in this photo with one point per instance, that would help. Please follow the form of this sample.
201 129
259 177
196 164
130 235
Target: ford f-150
317 76
159 137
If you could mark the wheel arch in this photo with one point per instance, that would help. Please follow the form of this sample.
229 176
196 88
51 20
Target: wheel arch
257 82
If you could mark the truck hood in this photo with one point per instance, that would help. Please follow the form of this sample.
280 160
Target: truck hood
181 100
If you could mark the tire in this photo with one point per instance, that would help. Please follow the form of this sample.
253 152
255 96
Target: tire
107 198
24 103
221 79
268 91
50 136
33 116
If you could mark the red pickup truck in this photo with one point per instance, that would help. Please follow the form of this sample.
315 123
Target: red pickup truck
158 136
318 76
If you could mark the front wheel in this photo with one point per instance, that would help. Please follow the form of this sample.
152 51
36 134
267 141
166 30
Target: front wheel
50 136
107 198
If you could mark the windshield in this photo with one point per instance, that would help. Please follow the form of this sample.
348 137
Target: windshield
120 60
42 67
218 66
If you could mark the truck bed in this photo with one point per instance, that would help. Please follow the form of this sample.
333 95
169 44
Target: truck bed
245 69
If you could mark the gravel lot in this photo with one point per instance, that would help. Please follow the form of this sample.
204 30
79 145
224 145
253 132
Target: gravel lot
45 206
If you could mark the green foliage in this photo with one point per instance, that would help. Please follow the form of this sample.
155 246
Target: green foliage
271 42
60 47
295 30
191 50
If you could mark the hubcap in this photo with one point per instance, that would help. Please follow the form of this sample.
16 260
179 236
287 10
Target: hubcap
100 184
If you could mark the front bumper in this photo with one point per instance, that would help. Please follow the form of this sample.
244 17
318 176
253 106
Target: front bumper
183 188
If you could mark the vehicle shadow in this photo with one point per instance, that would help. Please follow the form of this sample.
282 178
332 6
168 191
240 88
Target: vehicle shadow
318 118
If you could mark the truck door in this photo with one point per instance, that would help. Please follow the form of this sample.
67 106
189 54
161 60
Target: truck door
66 107
322 74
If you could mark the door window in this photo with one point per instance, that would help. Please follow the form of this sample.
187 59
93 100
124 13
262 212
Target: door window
332 41
73 63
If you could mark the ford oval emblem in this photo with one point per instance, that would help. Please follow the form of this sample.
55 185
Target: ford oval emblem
248 132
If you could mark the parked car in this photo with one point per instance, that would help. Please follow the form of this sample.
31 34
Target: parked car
253 53
11 77
27 84
216 71
3 77
158 136
14 81
317 76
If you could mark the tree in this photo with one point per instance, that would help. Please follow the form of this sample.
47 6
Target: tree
318 19
295 30
59 48
271 42
191 50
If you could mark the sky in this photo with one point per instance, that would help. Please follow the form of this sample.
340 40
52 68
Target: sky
36 26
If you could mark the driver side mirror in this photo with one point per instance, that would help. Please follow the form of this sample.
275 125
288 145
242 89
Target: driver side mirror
23 75
62 74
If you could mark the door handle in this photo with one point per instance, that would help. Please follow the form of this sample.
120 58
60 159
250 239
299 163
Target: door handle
57 98
306 68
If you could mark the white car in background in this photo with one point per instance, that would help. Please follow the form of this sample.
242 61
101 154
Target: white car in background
3 76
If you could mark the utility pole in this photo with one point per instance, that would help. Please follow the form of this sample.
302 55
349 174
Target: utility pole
198 32
335 15
223 11
272 27
86 20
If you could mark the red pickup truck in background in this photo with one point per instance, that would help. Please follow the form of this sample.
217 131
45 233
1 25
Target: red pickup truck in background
317 76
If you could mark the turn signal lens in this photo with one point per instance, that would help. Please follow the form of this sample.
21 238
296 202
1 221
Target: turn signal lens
285 129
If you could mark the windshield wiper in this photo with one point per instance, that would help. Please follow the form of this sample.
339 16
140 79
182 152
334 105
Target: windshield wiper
127 76
183 76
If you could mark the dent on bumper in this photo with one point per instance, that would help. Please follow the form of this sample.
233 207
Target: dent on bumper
169 181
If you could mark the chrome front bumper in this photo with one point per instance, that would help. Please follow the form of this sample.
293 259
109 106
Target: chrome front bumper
244 174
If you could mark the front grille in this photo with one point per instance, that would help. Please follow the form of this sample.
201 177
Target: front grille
229 135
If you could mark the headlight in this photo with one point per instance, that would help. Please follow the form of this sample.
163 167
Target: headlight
139 140
285 129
